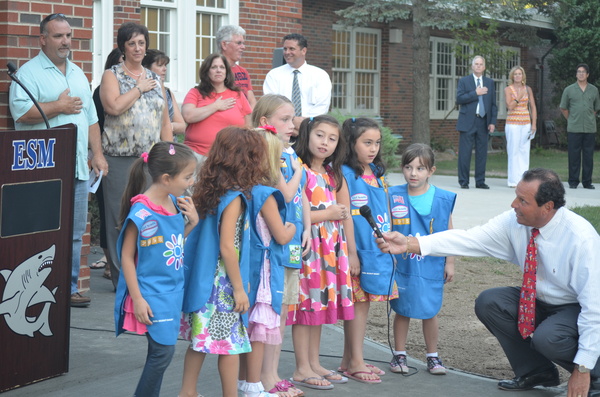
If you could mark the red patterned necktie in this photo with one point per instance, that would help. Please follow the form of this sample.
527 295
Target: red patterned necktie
526 322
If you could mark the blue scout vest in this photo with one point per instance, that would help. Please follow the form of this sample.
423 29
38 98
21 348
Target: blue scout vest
420 279
294 212
202 255
159 270
277 253
376 268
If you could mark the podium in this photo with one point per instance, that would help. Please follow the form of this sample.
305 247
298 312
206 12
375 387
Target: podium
37 170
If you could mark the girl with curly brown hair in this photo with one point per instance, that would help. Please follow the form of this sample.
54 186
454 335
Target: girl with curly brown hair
216 261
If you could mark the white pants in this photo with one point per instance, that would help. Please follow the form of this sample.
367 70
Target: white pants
517 147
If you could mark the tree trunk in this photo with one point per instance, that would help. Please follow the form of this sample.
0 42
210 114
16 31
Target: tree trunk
420 66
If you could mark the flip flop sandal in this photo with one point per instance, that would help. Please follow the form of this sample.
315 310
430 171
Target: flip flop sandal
100 264
374 369
304 383
354 376
330 378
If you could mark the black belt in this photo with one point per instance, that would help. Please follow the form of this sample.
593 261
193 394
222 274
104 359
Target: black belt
478 116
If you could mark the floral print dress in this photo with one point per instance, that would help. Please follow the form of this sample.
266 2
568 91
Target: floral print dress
216 328
325 286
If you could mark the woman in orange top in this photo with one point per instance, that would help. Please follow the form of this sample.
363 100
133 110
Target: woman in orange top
214 104
521 124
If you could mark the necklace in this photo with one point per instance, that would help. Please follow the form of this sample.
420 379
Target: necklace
135 75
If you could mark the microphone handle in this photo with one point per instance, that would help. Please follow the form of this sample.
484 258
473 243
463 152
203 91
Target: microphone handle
37 105
374 227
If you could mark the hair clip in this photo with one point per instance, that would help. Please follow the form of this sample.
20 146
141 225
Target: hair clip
311 119
144 157
269 128
171 150
354 119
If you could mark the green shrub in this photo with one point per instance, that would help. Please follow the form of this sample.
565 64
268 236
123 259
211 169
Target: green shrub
440 143
389 142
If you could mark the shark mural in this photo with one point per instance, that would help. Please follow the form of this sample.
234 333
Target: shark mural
25 288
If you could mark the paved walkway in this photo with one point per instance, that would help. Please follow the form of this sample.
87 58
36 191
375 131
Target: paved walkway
104 366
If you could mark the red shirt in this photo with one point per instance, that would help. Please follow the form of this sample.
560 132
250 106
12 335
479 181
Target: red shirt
242 78
200 136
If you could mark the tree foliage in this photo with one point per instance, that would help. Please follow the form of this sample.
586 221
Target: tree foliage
577 28
473 23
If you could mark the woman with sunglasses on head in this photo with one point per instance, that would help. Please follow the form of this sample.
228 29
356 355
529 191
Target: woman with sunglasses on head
136 117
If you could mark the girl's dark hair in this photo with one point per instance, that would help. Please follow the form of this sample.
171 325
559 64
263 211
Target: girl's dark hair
236 161
127 31
419 151
155 56
337 157
113 58
352 129
164 158
205 87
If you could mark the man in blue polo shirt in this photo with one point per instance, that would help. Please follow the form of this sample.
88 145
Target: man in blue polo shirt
64 94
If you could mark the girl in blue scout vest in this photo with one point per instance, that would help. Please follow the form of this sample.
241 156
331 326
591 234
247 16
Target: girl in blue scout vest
372 276
325 286
277 112
150 288
216 265
268 236
419 208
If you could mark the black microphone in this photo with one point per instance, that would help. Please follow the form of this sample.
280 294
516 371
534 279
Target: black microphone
12 69
365 211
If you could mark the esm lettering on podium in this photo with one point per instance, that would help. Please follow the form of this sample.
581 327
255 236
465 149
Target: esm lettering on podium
33 154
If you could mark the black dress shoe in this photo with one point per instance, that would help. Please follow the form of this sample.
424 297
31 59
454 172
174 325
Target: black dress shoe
548 377
482 186
590 186
572 186
464 186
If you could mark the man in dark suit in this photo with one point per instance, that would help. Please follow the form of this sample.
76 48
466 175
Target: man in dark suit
476 96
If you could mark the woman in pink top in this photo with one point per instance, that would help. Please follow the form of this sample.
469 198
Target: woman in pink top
214 104
521 121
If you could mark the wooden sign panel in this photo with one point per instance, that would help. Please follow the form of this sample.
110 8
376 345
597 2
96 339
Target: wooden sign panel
37 170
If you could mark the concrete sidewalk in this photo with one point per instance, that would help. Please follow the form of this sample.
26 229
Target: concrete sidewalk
102 365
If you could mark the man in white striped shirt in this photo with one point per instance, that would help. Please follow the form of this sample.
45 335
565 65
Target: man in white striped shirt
568 284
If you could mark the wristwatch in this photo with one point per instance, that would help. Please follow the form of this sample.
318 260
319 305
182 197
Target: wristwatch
582 369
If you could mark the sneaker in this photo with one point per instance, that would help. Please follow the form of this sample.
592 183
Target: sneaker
78 300
435 366
399 364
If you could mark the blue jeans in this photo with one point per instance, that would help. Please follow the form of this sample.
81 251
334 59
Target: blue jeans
80 211
158 359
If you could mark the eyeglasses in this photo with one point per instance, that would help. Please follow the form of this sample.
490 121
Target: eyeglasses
238 42
581 72
52 17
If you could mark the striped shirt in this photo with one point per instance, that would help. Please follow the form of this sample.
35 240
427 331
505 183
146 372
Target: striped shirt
520 114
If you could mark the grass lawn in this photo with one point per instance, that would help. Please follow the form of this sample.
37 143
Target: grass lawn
497 163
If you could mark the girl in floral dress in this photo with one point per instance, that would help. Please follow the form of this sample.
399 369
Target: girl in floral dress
150 247
216 261
325 288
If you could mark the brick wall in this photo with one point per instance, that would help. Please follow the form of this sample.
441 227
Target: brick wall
19 38
125 11
266 22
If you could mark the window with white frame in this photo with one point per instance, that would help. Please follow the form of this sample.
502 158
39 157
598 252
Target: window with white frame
356 64
446 70
159 20
185 30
